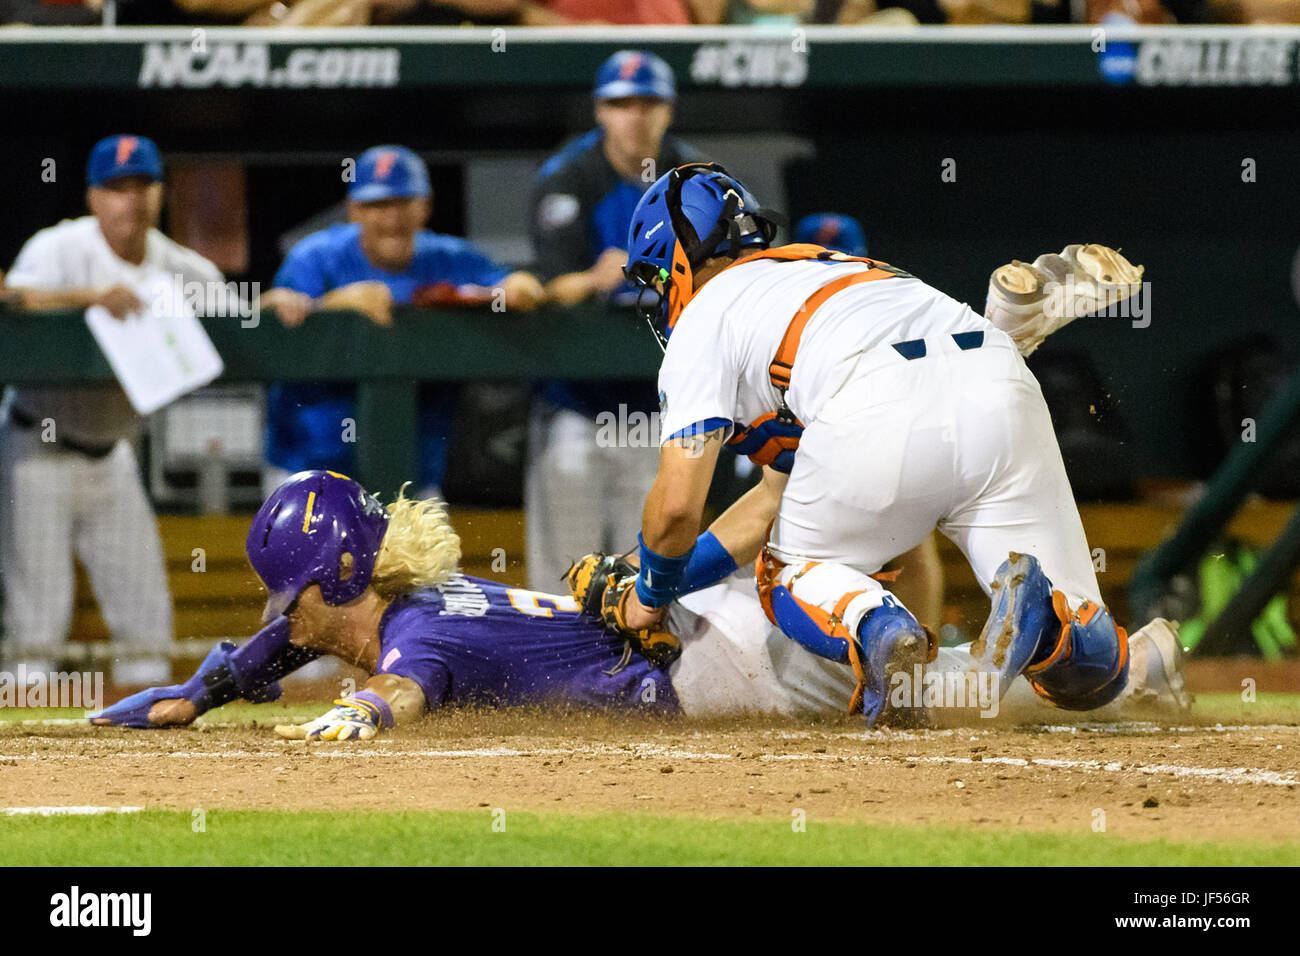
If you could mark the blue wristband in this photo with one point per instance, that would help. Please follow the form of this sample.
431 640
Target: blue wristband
710 563
660 575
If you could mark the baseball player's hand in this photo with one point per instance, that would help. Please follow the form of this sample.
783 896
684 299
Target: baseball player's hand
524 291
372 299
291 308
175 712
624 614
119 301
607 273
604 587
636 615
351 719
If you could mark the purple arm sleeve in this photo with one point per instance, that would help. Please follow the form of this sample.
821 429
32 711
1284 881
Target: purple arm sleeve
267 656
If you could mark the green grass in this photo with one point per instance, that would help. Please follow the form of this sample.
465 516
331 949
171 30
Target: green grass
1230 708
253 837
371 838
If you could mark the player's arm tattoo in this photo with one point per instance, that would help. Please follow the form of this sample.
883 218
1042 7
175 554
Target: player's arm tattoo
696 444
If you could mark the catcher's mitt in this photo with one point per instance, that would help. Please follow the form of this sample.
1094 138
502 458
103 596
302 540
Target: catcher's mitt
600 584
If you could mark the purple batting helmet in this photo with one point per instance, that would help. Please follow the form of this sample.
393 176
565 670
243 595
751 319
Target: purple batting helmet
319 527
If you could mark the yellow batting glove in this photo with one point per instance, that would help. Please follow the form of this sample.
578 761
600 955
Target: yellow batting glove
359 717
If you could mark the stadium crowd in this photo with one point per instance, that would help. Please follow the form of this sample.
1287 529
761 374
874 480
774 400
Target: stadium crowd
542 13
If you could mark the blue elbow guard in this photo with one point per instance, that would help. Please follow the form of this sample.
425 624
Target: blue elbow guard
710 563
660 576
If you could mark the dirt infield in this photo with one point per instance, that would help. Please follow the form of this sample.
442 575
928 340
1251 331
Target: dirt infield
1238 783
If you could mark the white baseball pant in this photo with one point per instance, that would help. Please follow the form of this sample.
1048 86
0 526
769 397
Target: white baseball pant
958 439
53 502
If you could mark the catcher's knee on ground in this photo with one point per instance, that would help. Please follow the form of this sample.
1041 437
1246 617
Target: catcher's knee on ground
842 614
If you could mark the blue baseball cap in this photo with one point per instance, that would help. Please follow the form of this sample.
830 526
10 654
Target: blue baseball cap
389 172
635 73
834 231
114 157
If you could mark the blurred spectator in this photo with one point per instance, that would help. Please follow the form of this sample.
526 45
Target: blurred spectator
545 13
581 492
447 12
1129 12
732 12
313 12
712 12
50 13
68 472
382 256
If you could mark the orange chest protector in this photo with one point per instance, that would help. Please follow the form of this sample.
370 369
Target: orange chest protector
771 438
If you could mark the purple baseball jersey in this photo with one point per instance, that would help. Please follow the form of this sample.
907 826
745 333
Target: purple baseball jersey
476 641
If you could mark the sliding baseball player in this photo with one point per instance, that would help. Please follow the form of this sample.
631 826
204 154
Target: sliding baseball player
378 587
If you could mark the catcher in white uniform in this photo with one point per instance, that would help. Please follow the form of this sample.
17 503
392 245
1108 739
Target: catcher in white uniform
908 411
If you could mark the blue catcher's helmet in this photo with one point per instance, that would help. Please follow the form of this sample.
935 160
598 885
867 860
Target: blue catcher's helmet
635 73
691 214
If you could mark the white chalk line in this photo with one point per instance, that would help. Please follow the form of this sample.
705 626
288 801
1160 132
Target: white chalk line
1228 775
65 811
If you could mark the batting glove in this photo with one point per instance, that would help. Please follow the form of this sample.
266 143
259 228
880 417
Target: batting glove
359 717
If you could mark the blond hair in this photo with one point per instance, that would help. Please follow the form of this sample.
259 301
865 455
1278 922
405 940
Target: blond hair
420 549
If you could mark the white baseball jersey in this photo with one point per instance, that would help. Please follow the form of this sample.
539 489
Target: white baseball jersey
716 365
75 255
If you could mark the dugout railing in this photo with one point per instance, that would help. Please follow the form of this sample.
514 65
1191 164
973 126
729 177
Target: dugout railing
387 364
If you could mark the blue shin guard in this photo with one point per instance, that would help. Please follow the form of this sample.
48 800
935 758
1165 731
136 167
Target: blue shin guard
890 640
893 642
1021 621
1088 665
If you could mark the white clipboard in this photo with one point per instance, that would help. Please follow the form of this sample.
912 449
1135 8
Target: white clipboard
160 353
